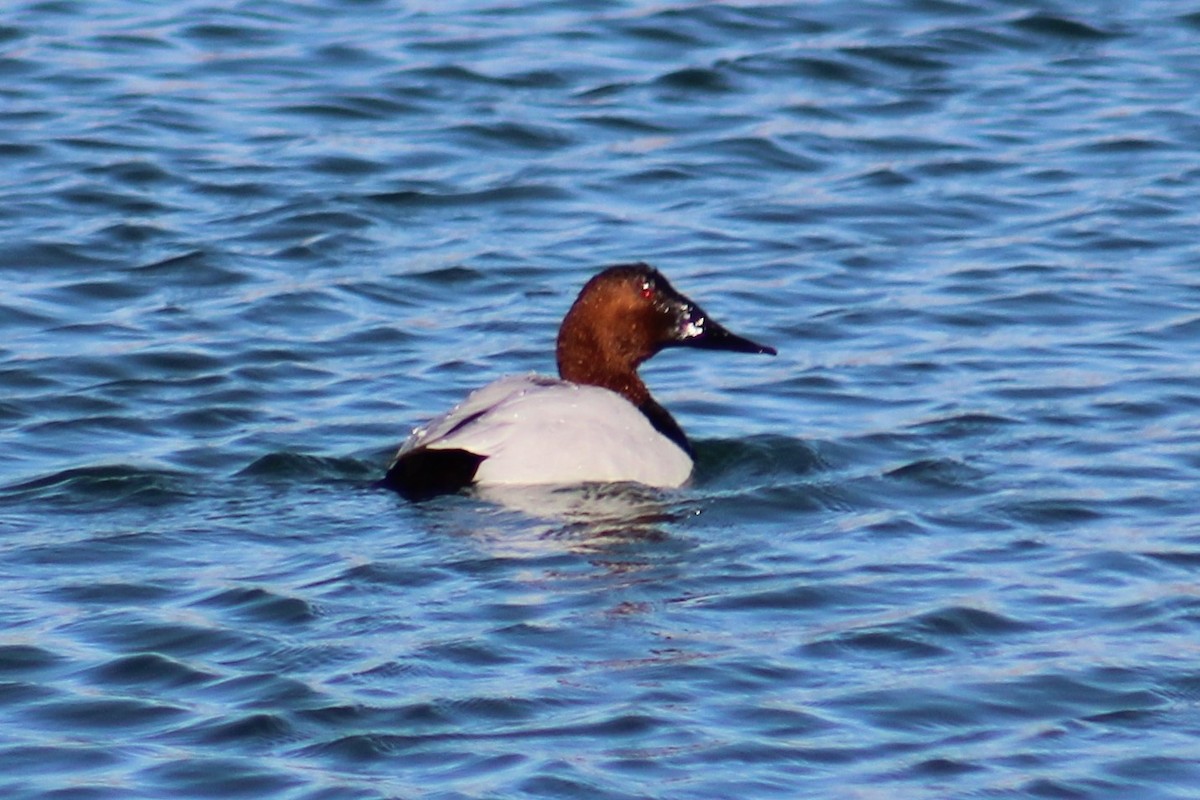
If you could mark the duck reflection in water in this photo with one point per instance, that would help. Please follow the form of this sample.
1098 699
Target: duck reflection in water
611 519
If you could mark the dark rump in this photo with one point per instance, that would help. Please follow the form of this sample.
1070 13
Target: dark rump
424 472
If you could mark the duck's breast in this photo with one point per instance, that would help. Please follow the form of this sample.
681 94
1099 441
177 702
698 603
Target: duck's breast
534 430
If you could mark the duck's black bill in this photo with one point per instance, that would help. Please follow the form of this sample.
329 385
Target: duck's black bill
698 330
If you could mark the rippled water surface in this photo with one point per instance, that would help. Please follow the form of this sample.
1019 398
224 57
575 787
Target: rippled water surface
946 544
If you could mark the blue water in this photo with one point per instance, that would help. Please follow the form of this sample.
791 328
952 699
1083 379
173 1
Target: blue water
945 545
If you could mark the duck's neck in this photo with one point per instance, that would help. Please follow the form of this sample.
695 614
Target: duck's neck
580 364
591 369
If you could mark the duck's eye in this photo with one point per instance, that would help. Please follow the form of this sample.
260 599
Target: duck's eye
647 290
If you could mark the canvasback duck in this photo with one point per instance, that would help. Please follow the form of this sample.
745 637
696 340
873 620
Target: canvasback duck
598 423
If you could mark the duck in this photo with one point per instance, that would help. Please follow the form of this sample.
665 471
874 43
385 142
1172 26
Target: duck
596 423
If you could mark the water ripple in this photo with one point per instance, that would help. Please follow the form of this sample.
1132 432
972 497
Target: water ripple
943 545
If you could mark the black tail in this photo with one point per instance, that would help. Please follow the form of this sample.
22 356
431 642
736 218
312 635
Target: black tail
424 473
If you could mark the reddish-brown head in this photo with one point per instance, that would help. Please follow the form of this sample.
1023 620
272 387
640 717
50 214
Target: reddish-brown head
623 316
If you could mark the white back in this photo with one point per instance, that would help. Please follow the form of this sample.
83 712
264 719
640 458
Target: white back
537 430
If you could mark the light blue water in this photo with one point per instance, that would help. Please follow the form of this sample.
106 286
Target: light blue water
945 545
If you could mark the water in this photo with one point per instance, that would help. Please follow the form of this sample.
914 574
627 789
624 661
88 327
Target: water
945 545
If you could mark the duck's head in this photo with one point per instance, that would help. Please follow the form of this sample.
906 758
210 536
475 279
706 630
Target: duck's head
627 313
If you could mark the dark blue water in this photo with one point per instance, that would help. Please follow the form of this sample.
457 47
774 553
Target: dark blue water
947 544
